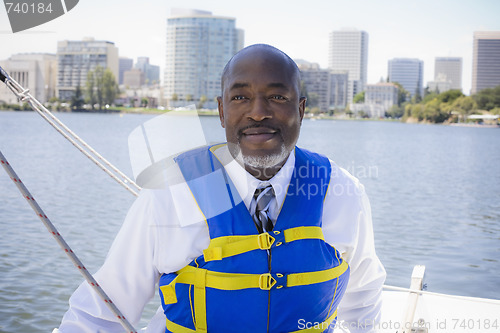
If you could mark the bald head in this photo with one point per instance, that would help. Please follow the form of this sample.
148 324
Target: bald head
264 53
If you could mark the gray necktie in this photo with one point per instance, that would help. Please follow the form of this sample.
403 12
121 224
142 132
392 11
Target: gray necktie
263 198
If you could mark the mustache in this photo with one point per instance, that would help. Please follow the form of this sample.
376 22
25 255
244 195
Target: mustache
257 125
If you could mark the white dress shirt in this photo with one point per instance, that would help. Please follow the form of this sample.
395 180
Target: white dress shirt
153 240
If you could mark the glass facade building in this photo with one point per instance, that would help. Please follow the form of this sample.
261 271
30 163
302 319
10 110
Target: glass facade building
198 47
409 73
486 60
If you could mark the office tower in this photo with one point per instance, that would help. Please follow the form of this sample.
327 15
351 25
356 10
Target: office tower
125 64
348 51
199 45
339 82
448 69
34 71
409 73
486 60
151 72
134 78
76 58
316 81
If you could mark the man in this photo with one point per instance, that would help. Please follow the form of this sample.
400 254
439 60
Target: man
259 236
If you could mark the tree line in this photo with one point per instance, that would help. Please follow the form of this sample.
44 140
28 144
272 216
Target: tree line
438 107
100 89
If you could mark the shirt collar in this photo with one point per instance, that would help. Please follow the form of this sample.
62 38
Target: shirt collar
246 184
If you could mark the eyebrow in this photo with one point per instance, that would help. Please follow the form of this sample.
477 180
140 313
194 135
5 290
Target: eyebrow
238 85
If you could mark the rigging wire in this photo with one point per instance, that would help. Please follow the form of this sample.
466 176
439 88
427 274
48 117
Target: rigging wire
62 243
79 143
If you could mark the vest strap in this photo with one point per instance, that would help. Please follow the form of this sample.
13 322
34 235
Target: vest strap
228 246
200 304
320 327
202 278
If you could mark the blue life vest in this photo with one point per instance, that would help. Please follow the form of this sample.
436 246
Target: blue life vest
287 280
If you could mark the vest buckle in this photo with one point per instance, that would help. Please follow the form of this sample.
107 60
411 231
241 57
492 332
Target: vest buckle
266 281
265 241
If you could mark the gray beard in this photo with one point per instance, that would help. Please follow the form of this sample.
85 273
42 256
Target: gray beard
259 162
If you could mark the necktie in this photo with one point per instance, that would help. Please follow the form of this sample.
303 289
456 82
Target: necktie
263 198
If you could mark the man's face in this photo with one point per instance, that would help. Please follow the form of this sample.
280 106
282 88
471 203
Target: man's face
261 109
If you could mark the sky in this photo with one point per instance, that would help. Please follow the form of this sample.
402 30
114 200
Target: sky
422 29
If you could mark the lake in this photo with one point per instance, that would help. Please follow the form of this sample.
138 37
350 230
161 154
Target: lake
434 191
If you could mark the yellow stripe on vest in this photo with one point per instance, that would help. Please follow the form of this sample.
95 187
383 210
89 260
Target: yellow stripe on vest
299 233
200 303
301 279
320 327
176 328
234 281
228 246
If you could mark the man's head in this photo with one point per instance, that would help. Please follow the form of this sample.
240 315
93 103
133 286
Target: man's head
261 108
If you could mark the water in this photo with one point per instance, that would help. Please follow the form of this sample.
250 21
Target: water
434 192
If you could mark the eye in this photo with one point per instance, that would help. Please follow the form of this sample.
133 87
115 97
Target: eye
278 97
238 98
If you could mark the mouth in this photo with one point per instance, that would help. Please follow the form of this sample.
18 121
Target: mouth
259 134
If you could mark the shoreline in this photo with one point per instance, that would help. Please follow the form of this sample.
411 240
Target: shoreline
214 113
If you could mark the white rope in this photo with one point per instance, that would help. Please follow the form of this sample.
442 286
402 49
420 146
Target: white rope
62 243
79 143
424 292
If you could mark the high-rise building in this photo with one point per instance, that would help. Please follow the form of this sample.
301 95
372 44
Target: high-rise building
448 69
339 82
486 60
409 73
348 51
199 45
76 58
151 72
125 64
34 71
133 78
316 81
329 86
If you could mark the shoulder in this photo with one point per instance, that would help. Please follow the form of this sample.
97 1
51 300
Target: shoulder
343 183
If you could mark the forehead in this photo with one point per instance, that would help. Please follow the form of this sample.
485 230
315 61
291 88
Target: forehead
257 68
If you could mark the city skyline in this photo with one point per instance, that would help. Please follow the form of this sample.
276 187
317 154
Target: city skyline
425 30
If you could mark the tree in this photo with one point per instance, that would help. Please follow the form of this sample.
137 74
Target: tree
175 97
433 112
90 89
203 100
101 87
488 99
395 111
109 87
359 98
403 94
77 99
450 95
464 105
417 111
189 97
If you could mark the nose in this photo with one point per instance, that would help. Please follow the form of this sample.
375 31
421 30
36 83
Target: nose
260 109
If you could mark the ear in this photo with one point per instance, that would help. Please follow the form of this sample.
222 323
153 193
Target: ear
302 107
221 110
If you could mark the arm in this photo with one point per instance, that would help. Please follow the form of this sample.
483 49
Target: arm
128 276
349 228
